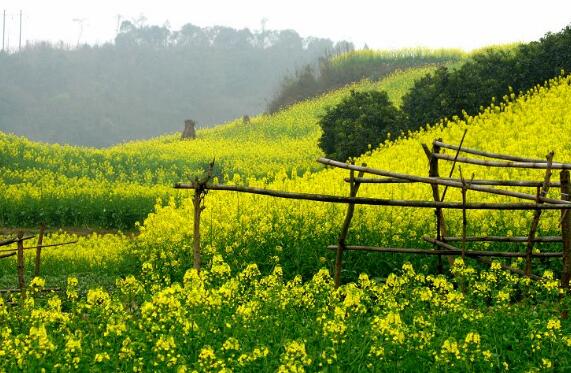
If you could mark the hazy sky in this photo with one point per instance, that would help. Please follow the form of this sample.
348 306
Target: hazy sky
380 24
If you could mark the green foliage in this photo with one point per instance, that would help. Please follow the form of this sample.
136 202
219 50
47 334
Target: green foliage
361 121
490 73
66 186
349 66
147 83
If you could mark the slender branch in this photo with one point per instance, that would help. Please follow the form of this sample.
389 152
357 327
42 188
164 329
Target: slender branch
43 246
454 164
443 252
514 239
537 214
14 240
510 164
503 254
515 183
488 154
438 181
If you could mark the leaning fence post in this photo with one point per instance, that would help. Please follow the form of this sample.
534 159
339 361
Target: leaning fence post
433 172
354 188
39 251
566 230
198 207
541 193
200 191
20 266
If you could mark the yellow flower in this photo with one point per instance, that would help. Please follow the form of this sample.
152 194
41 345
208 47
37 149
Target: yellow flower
553 324
101 357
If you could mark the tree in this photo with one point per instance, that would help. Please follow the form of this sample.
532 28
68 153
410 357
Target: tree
361 120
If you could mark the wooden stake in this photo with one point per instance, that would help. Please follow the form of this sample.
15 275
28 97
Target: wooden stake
454 165
39 251
566 230
20 266
200 191
198 208
537 214
433 172
354 188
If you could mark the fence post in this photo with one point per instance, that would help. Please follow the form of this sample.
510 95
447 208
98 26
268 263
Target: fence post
200 190
354 188
20 265
39 251
197 200
433 172
541 192
566 230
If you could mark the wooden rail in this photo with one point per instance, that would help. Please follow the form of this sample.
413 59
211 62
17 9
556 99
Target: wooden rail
499 254
487 154
380 201
440 181
537 202
513 239
19 253
514 183
447 250
508 164
14 240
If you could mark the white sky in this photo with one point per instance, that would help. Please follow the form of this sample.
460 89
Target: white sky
380 24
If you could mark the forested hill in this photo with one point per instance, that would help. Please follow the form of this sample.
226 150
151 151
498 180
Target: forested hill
148 82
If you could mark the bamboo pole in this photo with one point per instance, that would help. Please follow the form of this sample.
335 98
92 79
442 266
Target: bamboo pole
464 218
354 188
17 290
2 256
39 251
439 181
454 165
488 154
198 208
510 164
379 201
514 239
20 265
566 230
514 183
42 247
445 251
14 240
501 254
537 214
200 190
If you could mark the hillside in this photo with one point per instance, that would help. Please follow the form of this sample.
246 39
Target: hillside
531 125
117 186
264 300
212 74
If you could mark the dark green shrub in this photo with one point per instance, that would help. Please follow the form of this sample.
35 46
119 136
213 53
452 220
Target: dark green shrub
360 120
488 74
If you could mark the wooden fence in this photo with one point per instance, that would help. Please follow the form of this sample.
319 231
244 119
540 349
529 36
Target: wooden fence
18 251
443 242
